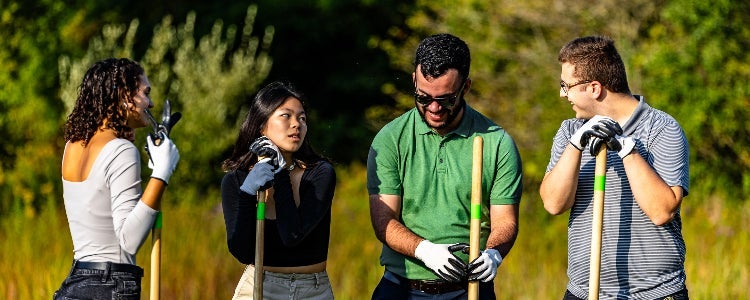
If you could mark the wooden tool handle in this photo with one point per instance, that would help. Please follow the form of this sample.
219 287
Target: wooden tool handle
475 210
155 291
600 177
259 244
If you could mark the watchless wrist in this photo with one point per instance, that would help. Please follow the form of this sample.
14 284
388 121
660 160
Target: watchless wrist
575 146
624 153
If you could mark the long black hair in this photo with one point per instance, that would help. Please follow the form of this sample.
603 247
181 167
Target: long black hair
266 101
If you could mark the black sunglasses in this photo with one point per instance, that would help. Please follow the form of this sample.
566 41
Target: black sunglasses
447 102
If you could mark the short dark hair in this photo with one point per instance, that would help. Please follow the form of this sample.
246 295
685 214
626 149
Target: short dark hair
105 89
595 58
441 52
265 102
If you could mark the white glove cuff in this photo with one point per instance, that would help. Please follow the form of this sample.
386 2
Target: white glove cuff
576 145
162 175
627 144
423 246
495 256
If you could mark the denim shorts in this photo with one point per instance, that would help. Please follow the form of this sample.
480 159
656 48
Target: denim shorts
315 286
101 284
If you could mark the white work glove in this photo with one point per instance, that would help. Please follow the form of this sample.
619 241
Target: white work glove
264 147
627 144
441 260
484 267
580 138
163 158
260 177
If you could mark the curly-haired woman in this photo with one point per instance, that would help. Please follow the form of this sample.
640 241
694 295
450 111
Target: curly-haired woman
109 214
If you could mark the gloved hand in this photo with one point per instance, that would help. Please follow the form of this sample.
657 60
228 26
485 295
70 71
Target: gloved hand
606 131
264 147
260 177
580 138
441 260
163 158
484 267
627 143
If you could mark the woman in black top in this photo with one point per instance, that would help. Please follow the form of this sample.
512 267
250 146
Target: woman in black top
300 185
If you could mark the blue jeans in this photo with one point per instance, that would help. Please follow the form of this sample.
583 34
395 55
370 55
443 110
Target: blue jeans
100 284
387 289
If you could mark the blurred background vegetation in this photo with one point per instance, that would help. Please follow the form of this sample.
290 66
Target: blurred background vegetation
353 59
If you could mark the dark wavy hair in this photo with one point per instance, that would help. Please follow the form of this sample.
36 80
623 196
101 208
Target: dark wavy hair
596 58
107 86
266 101
440 53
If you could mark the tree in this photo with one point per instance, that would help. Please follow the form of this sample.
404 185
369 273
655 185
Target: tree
514 48
207 80
29 111
695 64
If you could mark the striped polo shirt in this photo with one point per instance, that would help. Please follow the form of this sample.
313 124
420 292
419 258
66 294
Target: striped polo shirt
639 259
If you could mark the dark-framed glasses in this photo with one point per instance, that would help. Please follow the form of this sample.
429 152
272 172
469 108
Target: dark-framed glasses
566 87
446 101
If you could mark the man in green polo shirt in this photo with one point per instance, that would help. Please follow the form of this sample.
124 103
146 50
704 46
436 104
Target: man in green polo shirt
419 182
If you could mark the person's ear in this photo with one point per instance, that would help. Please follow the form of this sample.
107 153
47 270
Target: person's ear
597 90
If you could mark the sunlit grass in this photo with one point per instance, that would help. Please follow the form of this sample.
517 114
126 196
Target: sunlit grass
35 254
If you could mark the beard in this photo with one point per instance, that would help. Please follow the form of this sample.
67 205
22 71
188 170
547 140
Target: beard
452 114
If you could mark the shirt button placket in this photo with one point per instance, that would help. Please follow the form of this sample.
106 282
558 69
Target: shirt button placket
441 158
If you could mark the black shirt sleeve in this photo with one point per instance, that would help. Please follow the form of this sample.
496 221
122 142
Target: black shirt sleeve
316 195
239 207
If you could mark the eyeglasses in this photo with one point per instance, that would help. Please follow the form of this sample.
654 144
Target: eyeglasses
566 87
447 102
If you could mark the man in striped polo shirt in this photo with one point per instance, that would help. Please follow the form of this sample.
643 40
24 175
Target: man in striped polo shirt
643 252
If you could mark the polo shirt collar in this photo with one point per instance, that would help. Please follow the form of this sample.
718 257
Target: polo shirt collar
629 127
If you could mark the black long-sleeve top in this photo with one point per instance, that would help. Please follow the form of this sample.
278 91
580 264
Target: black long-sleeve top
299 235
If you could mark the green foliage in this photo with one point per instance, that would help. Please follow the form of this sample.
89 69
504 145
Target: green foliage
32 36
28 111
514 70
206 80
696 66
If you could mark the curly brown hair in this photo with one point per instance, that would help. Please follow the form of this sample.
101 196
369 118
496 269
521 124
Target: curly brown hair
102 99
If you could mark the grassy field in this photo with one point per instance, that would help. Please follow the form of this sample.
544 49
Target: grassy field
35 254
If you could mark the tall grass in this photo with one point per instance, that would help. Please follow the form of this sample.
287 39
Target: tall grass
35 254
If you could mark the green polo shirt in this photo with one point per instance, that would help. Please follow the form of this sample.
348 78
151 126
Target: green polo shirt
432 174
